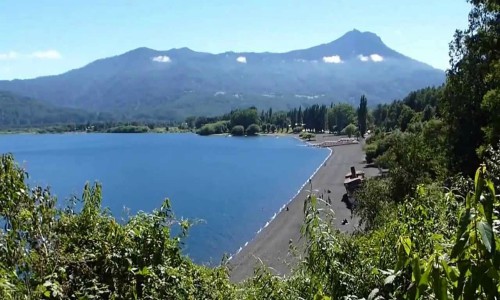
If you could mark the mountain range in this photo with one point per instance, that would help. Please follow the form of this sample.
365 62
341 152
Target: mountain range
170 85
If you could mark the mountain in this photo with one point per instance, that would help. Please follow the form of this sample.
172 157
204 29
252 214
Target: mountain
146 83
20 112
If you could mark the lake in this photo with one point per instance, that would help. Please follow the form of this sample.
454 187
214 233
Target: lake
235 185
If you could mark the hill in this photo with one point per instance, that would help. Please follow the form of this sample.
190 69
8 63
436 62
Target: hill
146 83
20 112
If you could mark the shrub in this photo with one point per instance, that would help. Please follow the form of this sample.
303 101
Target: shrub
49 251
128 129
298 129
238 130
307 136
350 130
213 128
253 129
371 152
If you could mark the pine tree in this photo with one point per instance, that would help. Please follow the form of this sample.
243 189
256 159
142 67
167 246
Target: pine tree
362 112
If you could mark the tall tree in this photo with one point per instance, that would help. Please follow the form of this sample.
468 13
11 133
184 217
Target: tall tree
339 116
471 90
362 112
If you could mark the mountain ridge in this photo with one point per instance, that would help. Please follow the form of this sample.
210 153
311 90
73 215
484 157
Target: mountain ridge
177 82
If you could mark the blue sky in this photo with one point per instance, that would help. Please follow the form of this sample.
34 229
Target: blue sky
50 37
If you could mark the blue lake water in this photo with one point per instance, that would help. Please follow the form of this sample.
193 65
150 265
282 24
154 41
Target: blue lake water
234 184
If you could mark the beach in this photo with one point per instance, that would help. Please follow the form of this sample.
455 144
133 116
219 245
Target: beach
271 245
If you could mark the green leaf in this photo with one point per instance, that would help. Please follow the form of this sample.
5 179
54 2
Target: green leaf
486 234
451 272
471 285
439 284
373 294
488 202
406 242
460 245
389 279
416 269
424 280
465 219
479 184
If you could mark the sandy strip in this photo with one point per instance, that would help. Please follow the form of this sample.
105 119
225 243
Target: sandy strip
272 242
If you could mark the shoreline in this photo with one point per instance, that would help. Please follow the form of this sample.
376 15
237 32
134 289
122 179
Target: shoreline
271 243
283 207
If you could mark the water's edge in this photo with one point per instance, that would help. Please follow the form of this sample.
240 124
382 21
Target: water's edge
284 205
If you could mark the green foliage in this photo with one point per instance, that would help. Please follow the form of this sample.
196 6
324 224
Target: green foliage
253 129
362 115
373 202
411 162
214 128
491 103
307 135
350 130
471 92
339 116
47 252
238 130
244 117
466 269
401 113
315 118
22 112
128 129
298 129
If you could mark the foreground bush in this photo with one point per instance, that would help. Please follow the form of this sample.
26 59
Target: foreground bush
82 252
437 244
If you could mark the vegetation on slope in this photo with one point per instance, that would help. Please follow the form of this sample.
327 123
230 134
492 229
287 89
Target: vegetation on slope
22 112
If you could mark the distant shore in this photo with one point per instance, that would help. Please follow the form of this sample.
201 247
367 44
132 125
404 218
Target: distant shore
271 244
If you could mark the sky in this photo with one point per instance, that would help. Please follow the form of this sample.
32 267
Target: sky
49 37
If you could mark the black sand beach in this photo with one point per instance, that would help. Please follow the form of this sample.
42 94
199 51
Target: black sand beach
271 245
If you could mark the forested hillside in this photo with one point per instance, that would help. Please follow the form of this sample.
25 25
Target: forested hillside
23 112
171 85
430 227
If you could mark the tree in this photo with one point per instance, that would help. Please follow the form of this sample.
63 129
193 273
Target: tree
405 117
238 130
339 116
350 130
245 117
471 86
281 120
362 115
428 113
253 129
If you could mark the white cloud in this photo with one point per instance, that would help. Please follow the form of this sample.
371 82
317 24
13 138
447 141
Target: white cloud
363 58
372 57
241 59
11 55
162 59
49 54
334 59
376 58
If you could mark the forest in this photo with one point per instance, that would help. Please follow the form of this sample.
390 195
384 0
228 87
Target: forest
430 228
